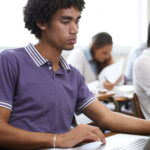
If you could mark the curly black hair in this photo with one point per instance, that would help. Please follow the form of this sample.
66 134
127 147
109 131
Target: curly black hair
43 10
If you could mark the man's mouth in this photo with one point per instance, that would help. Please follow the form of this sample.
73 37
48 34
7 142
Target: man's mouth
73 40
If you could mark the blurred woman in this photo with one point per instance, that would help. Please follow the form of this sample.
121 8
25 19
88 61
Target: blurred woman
90 61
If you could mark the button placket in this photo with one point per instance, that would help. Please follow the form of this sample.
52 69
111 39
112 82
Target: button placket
50 68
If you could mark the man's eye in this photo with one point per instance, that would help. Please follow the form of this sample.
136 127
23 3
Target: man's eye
65 22
77 21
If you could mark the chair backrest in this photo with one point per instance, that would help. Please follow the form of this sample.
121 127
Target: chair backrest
137 109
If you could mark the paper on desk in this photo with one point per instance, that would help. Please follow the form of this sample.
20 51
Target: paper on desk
114 71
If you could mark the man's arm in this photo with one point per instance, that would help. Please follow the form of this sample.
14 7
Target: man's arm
116 121
15 138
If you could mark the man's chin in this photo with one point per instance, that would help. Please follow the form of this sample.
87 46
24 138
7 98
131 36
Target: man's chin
69 48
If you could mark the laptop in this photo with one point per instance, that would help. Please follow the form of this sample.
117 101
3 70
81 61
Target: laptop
117 142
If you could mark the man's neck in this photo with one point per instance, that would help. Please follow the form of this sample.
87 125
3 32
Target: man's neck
50 54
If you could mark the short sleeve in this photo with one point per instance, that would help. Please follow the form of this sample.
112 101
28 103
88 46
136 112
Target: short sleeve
7 81
85 96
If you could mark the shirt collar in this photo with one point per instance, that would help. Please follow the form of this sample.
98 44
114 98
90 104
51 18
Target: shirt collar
40 60
88 54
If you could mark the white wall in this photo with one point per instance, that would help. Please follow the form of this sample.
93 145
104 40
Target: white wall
114 16
125 20
12 31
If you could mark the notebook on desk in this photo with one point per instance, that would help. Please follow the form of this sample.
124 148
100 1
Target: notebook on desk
117 142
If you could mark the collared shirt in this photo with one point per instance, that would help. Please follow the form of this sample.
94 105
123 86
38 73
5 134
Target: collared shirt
40 99
141 80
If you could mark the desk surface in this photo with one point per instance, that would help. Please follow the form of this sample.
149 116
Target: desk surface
111 97
105 96
119 93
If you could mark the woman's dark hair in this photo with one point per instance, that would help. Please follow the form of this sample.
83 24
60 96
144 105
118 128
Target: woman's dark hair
148 37
98 41
41 11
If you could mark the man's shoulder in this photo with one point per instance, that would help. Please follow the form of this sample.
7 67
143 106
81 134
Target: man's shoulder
10 53
12 56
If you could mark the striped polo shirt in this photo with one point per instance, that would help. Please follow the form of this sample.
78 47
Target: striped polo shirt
40 99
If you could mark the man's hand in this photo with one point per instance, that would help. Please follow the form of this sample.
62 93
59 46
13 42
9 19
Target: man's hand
82 133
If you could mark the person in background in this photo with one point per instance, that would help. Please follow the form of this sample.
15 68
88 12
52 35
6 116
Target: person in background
133 55
141 79
90 61
40 92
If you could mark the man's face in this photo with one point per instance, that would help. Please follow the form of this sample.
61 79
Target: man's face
62 31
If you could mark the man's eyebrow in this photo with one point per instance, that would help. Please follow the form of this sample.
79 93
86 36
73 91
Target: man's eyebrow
69 17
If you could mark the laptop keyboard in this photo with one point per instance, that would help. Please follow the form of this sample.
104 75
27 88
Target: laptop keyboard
137 144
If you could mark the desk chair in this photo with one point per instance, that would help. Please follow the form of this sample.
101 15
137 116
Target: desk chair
137 109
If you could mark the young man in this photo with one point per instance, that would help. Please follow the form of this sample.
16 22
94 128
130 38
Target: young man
39 91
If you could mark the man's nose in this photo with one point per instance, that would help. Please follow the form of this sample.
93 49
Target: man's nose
107 56
74 28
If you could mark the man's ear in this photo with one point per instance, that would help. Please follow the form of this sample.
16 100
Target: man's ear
41 26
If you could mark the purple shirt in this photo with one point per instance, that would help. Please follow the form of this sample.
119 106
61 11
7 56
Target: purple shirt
40 99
